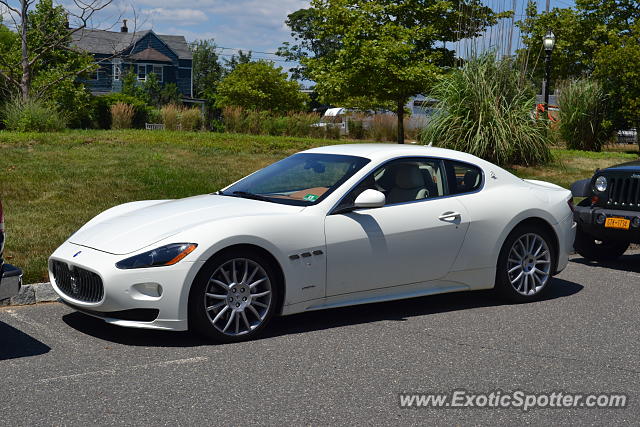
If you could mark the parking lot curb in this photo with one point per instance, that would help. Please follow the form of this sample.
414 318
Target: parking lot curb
32 294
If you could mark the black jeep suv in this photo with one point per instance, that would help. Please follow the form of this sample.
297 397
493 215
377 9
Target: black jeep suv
609 217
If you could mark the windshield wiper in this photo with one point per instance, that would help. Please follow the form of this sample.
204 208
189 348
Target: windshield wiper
248 195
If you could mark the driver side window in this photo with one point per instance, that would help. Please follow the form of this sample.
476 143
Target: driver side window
403 180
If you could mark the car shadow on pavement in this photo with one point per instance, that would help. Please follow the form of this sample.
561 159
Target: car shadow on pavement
316 320
15 344
629 262
403 309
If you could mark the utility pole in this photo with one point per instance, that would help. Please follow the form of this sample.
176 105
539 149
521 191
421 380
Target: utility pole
545 82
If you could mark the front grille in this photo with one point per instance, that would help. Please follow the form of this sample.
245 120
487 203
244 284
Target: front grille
78 283
624 192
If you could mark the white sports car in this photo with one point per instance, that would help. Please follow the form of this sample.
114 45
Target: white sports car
327 227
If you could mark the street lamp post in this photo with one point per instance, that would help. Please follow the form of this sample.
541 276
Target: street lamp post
548 42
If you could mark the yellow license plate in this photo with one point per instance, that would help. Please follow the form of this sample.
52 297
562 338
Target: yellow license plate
617 223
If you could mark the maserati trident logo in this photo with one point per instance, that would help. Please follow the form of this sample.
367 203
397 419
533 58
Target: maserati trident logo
74 284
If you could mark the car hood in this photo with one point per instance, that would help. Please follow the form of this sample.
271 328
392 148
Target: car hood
629 166
139 228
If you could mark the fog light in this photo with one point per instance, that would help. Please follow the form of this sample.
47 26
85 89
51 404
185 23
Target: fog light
635 222
601 218
153 290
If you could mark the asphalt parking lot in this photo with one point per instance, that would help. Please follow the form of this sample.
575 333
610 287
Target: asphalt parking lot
343 366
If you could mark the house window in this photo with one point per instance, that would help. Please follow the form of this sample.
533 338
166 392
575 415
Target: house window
117 71
142 72
157 70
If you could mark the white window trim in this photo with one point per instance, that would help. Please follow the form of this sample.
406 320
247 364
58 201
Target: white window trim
138 72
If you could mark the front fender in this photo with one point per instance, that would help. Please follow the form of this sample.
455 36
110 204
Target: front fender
581 188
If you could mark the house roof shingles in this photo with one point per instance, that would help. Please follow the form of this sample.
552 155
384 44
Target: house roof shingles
111 42
150 54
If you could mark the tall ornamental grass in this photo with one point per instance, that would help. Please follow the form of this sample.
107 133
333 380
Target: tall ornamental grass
582 120
171 116
122 116
191 119
485 108
32 116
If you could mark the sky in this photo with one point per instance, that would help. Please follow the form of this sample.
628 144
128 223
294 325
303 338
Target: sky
256 25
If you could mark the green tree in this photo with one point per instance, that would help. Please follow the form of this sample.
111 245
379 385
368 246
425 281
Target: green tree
260 86
304 25
235 60
207 70
388 50
41 58
598 39
617 66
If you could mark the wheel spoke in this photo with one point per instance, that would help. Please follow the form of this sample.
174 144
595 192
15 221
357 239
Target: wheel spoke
216 296
542 261
518 277
254 311
257 282
219 283
233 313
261 294
517 261
219 315
517 267
234 272
246 321
255 270
226 276
259 304
213 307
246 271
237 324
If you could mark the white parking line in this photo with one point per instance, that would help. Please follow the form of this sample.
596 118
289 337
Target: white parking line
115 371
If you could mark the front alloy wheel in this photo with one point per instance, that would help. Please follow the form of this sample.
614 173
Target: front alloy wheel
234 298
526 264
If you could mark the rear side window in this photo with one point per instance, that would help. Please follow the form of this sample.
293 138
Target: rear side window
463 177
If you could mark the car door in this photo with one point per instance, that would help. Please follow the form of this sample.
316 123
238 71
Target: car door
414 238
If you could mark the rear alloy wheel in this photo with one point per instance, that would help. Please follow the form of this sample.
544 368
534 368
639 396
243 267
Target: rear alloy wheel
526 264
598 250
235 297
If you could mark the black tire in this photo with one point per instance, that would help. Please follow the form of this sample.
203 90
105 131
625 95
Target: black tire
199 319
594 250
503 285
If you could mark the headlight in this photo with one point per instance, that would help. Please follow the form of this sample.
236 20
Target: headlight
165 255
601 183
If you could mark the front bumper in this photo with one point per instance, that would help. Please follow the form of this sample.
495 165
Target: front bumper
566 233
123 303
10 281
585 217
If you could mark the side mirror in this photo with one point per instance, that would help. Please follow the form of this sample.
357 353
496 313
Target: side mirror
370 199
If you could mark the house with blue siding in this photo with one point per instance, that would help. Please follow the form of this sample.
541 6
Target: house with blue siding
144 52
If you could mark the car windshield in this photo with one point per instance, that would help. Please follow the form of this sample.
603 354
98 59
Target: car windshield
303 179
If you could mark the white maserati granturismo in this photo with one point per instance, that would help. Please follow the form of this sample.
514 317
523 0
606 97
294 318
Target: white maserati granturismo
327 227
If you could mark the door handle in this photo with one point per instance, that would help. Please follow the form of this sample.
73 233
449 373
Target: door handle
447 216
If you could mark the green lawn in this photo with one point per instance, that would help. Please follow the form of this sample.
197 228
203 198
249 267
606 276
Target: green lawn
51 184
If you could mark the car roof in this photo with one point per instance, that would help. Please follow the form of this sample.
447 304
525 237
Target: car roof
388 151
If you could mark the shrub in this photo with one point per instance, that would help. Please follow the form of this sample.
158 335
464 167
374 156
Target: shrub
239 120
486 109
32 116
191 119
583 105
170 116
121 116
